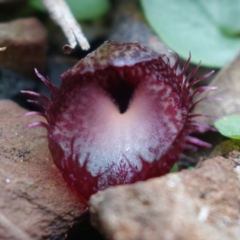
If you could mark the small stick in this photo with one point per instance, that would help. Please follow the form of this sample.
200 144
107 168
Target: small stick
62 15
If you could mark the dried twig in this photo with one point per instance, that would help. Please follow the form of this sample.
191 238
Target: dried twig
62 15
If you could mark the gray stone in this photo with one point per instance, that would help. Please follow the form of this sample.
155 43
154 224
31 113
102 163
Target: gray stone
199 204
26 46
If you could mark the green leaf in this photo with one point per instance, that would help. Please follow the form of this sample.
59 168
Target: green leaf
174 168
229 126
81 9
37 4
88 9
210 30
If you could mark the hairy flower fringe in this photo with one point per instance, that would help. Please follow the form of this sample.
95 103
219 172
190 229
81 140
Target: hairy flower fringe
191 126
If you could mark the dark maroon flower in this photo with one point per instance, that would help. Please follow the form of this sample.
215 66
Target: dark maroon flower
122 114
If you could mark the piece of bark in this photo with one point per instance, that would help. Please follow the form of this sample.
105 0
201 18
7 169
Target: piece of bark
35 202
26 46
227 81
199 204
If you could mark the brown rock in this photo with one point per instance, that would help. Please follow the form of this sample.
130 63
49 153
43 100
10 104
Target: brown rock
227 81
35 202
26 45
200 204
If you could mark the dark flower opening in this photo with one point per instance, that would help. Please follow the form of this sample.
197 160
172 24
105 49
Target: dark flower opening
122 94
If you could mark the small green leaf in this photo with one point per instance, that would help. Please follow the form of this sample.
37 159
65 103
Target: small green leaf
174 168
210 30
229 126
81 9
